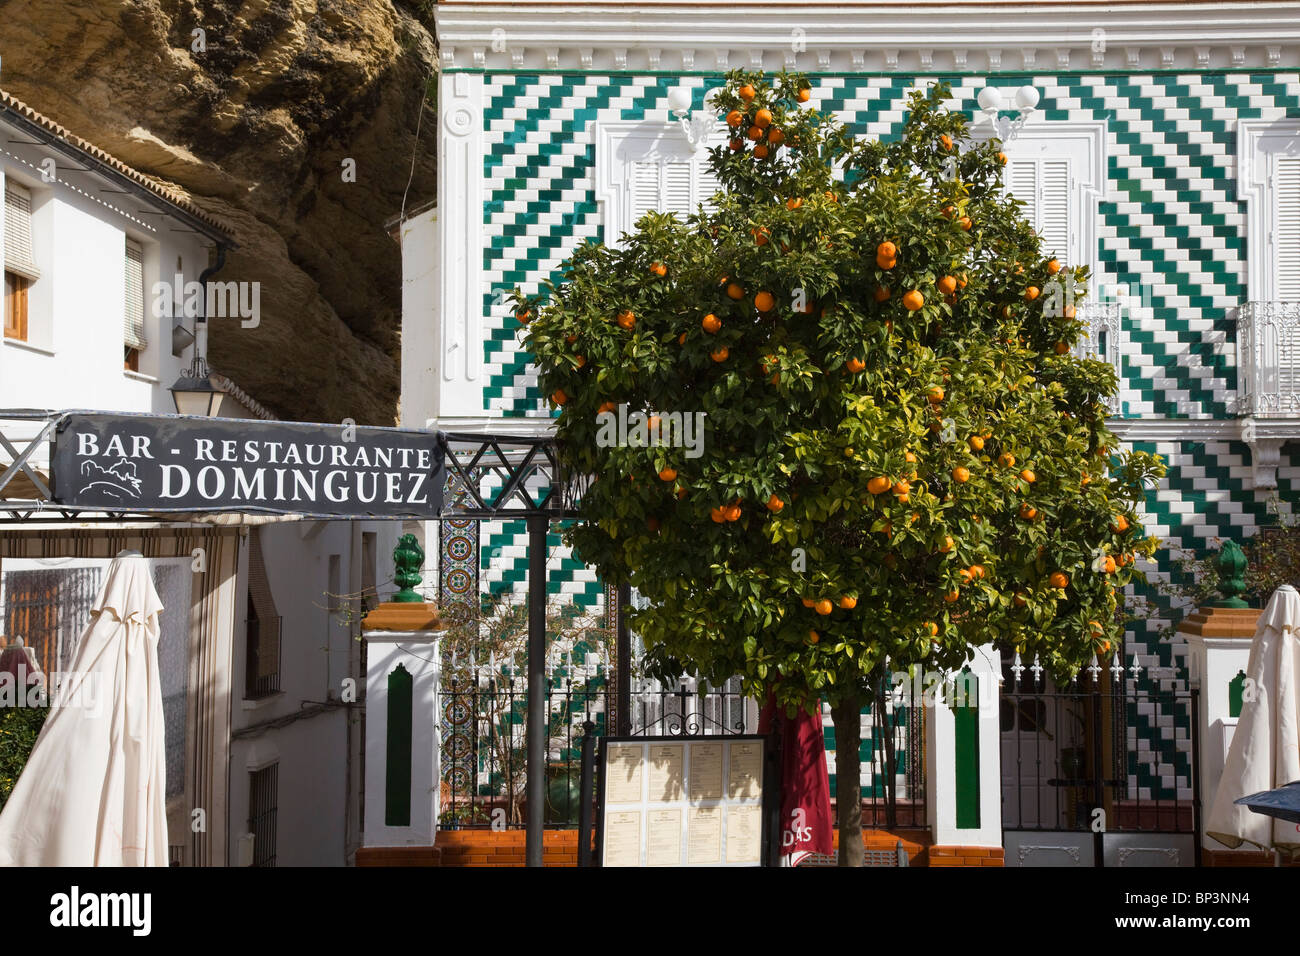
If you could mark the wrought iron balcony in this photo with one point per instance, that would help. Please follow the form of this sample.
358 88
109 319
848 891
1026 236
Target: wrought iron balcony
1102 340
1268 359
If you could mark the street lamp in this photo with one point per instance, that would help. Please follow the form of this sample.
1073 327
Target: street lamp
697 126
194 393
991 103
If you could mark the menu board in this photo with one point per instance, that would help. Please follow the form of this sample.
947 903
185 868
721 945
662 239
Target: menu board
672 801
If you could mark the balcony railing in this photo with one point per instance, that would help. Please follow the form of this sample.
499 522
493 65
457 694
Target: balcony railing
1102 340
1268 359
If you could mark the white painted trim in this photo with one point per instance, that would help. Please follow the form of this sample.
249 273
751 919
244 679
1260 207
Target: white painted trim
1177 429
488 425
883 36
29 347
460 242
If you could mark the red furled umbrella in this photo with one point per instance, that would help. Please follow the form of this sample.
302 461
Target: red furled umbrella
806 826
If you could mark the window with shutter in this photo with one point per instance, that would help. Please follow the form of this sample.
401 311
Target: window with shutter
642 168
133 323
1286 228
1043 185
19 257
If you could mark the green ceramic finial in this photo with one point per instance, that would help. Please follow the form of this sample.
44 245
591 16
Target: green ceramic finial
1232 569
408 556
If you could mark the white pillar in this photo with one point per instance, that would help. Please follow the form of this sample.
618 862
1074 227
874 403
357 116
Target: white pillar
1213 663
418 653
941 758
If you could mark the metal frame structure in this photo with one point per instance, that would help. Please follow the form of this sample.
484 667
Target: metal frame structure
524 480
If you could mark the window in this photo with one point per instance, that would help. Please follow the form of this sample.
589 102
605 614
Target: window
20 263
133 307
648 167
262 634
1042 183
263 797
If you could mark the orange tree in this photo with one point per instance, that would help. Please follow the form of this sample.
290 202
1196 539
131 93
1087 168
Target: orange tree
902 455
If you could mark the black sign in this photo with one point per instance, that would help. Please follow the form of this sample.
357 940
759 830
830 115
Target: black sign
176 463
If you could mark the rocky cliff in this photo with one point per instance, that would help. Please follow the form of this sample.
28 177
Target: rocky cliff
253 118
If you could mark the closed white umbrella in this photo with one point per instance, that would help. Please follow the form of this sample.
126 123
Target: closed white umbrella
1265 751
93 792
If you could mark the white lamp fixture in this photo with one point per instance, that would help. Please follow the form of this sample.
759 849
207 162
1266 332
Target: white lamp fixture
991 103
697 126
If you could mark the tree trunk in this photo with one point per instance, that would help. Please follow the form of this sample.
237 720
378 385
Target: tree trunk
846 716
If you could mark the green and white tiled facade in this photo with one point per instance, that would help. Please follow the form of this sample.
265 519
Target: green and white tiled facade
1171 227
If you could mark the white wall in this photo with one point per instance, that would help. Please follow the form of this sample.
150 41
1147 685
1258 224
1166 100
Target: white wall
421 338
317 810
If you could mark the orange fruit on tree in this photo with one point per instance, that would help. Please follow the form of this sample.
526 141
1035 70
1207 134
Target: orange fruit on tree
775 136
668 474
681 494
793 203
711 323
952 596
736 146
775 504
878 484
1002 158
886 250
961 281
570 339
931 628
804 95
681 339
1053 266
764 301
1007 460
659 269
823 607
977 570
606 407
732 512
1068 312
735 291
948 545
1031 293
960 474
1028 512
746 92
1060 348
855 365
902 487
760 151
626 319
808 602
1109 565
755 132
886 263
848 602
965 222
813 637
760 235
945 141
763 119
1120 524
947 285
966 575
913 300
581 360
1019 599
524 316
735 118
718 515
719 354
882 293
976 443
934 394
558 396
1059 579
1028 476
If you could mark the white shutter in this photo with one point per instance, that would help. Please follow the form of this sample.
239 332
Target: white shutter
133 326
643 178
1286 228
677 196
1043 185
706 183
1054 207
18 231
675 187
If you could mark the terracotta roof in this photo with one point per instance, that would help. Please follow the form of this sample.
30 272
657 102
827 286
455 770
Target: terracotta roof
214 228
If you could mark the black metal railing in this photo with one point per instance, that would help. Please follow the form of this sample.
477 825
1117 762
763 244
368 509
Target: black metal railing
1104 751
893 777
485 734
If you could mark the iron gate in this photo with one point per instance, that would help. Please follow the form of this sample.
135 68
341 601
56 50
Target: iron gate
1102 772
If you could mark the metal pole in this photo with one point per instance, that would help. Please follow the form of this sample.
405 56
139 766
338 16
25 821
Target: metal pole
536 769
1196 775
585 792
623 675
